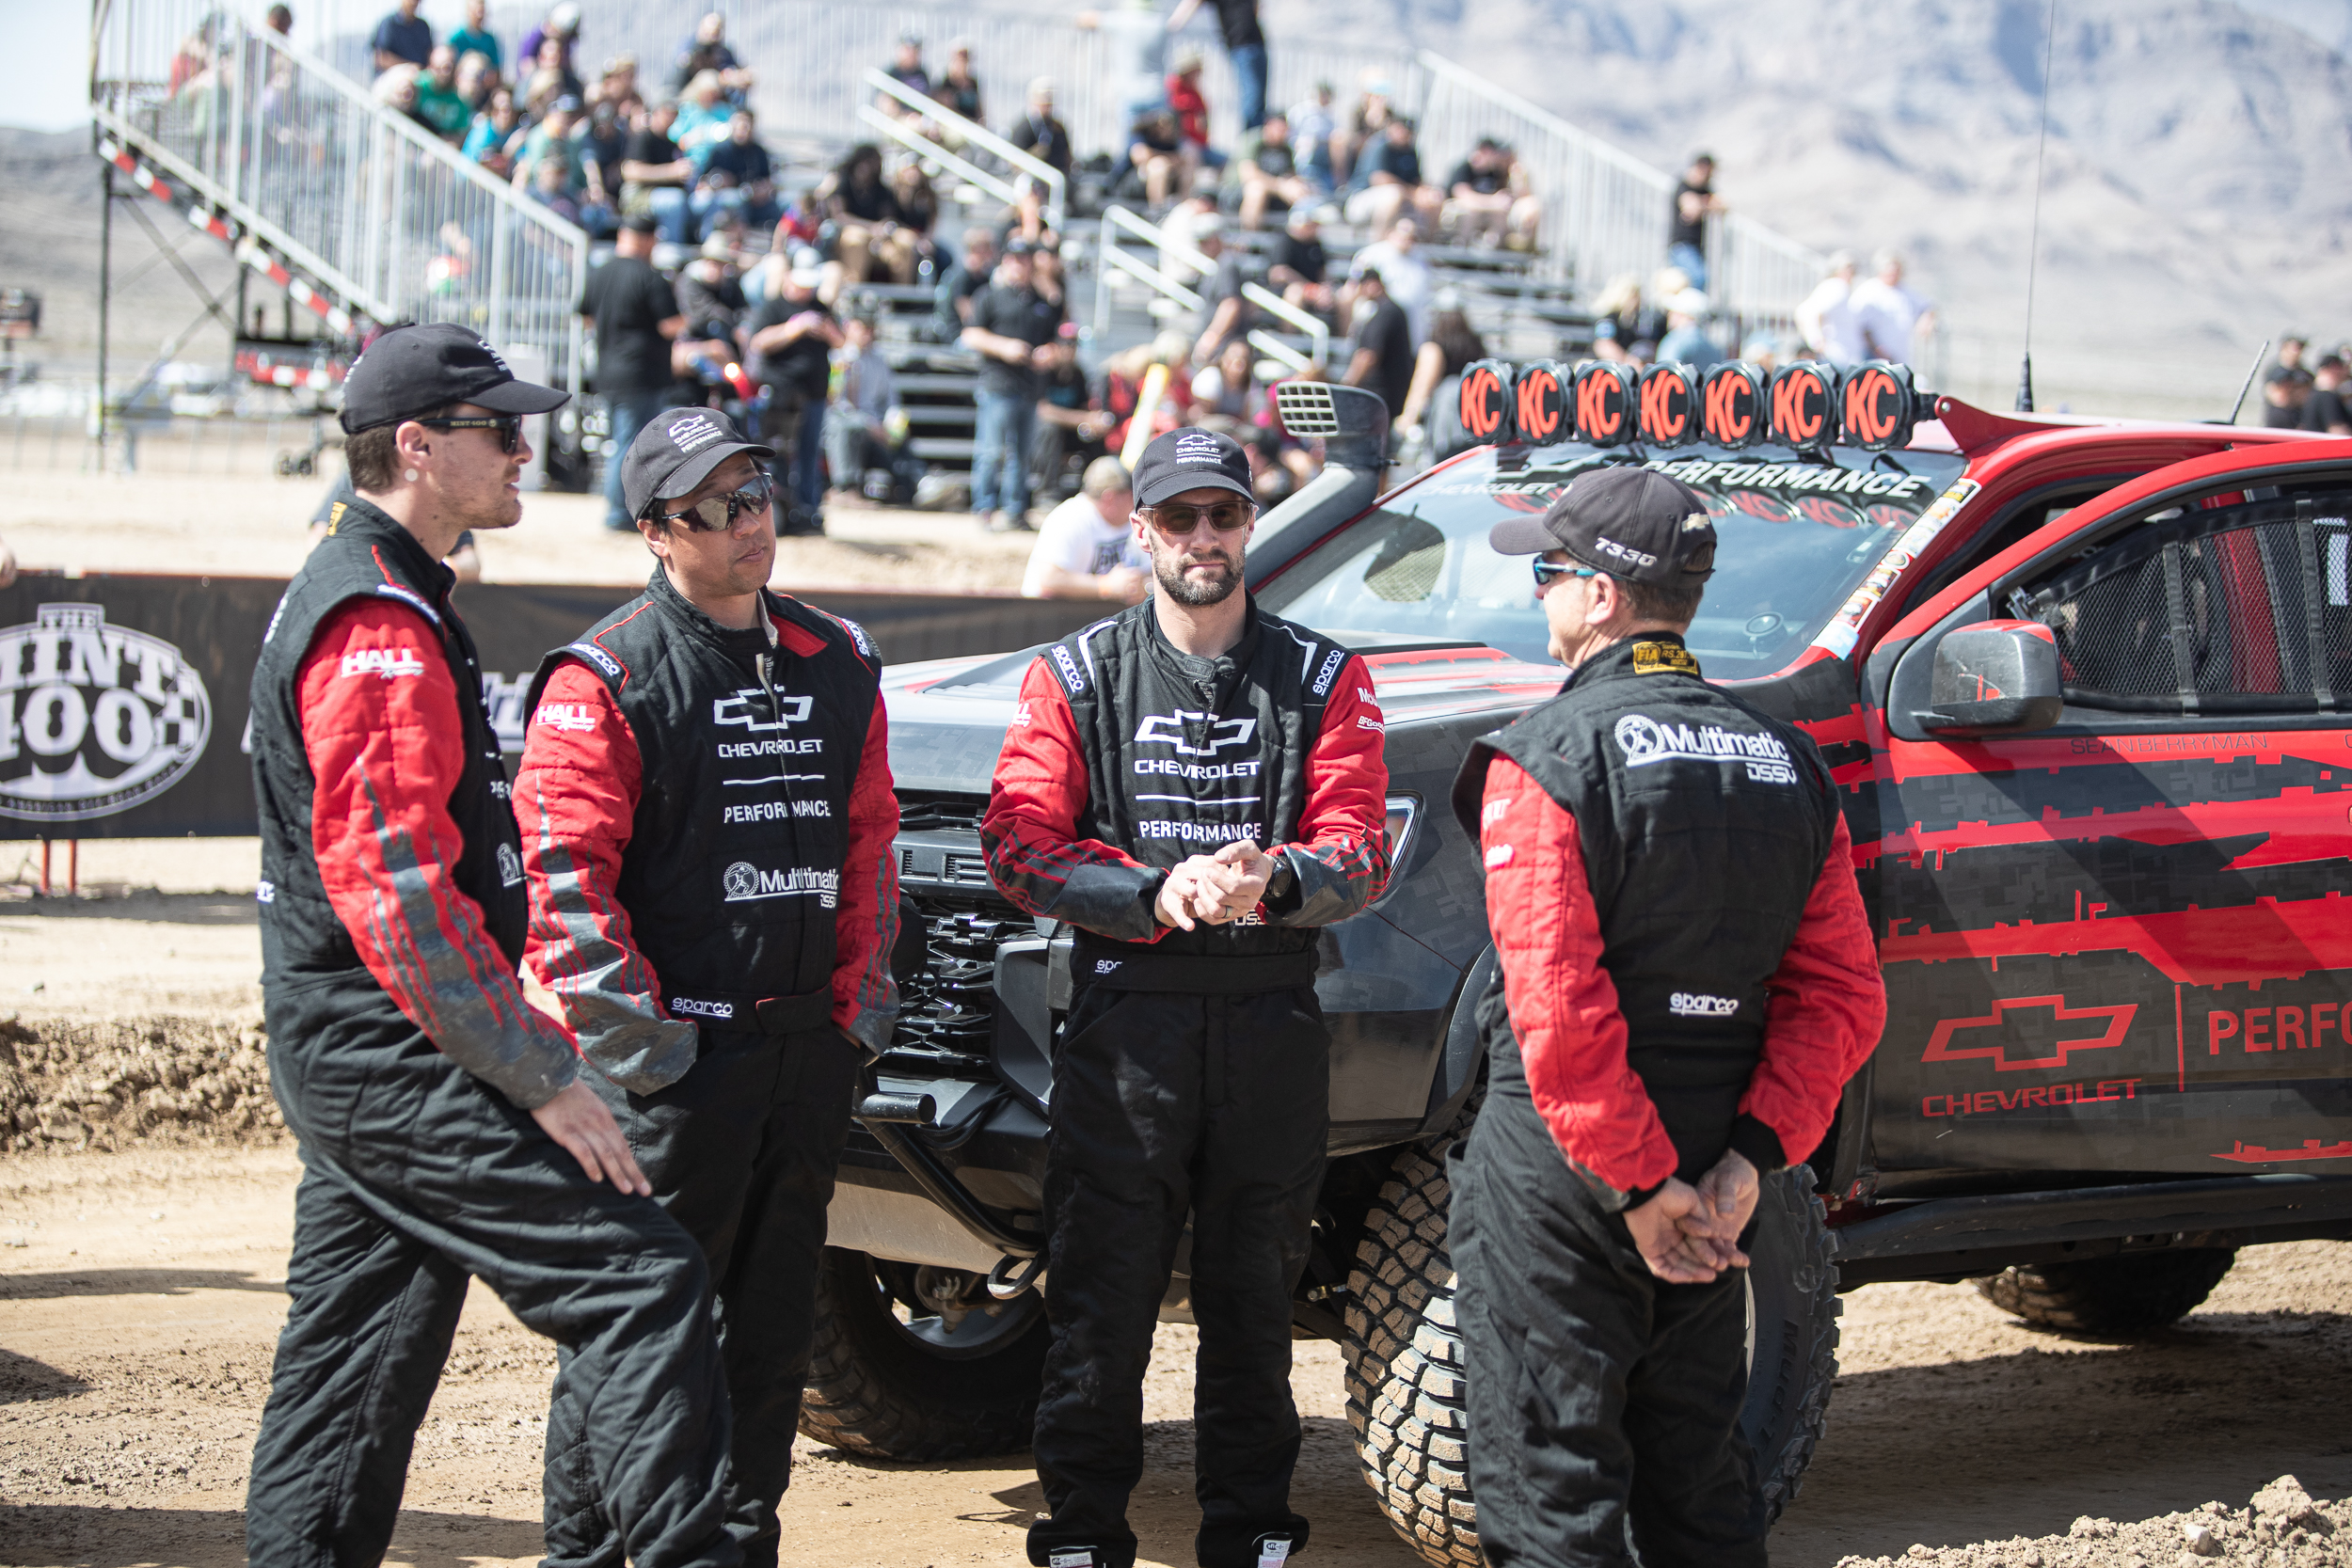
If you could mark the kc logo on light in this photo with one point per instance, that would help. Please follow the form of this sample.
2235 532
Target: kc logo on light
737 710
1167 729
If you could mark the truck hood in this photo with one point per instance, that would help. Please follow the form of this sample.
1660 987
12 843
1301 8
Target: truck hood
949 716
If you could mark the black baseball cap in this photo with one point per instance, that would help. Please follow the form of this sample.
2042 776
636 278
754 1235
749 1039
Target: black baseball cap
1186 460
411 371
677 451
1630 523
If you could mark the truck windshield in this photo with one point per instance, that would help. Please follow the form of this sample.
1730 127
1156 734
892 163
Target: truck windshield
1795 540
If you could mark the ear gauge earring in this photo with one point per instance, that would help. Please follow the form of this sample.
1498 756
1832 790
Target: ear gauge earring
412 476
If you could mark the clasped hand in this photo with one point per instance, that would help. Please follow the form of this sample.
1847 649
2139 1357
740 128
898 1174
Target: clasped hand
1214 890
1690 1234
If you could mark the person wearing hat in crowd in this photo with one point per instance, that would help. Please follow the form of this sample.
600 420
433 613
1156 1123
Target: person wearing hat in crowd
1687 980
787 347
1686 342
1040 133
1196 788
707 810
444 1127
1009 328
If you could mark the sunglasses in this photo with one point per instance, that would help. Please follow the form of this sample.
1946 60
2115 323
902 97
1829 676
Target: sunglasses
717 514
1225 516
1548 572
509 426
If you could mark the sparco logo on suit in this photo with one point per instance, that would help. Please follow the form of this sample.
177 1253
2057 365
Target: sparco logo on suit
93 718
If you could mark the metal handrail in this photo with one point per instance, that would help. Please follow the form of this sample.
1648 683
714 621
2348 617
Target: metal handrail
1057 185
305 161
922 146
248 220
1265 299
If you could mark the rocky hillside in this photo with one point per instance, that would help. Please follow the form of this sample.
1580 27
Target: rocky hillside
2196 200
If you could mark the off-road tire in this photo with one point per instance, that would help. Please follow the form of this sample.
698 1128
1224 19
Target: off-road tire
1404 1355
2120 1297
1404 1358
873 1392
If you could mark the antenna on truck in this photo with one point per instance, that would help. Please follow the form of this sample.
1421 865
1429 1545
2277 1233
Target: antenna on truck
2252 371
2033 239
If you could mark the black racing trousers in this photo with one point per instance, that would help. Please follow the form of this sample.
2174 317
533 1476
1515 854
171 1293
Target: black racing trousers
741 1153
415 1176
1164 1104
1604 1402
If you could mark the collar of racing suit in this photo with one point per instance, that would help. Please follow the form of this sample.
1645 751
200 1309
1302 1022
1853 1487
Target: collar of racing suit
1615 662
1213 678
747 644
363 519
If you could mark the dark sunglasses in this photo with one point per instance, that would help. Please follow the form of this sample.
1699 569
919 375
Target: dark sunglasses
716 513
1225 516
509 426
1548 572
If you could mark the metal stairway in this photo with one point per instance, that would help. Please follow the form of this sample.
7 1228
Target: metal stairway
359 213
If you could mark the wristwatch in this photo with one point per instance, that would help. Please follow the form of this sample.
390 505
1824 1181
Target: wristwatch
1283 879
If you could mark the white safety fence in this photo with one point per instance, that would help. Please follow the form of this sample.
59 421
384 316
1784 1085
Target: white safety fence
301 160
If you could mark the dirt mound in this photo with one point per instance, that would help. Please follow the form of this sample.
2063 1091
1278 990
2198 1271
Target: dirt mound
2282 1523
123 1083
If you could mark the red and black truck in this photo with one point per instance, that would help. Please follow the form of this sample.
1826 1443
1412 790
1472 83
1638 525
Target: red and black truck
2086 686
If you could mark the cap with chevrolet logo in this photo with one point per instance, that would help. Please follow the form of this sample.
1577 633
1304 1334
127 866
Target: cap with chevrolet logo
1630 523
411 371
1183 460
677 451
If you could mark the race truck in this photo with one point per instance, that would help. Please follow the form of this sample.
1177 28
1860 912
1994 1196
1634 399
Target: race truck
2081 683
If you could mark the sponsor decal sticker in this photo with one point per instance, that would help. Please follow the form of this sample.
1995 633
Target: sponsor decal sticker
1645 741
694 429
94 719
1068 667
1104 966
2039 1039
1654 659
1167 729
700 1007
385 663
564 715
737 710
510 865
744 883
1845 628
1330 668
1498 856
597 656
1692 1003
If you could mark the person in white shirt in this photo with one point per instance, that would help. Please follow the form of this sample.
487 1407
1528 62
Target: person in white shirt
1890 317
1087 549
1826 317
1405 271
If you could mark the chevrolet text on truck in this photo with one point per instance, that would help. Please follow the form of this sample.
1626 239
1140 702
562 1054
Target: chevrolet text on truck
2082 683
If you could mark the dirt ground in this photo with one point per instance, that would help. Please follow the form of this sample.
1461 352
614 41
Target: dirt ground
250 527
140 1294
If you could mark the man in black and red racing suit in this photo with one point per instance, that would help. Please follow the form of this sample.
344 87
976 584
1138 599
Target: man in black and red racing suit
706 813
1150 755
443 1128
1687 981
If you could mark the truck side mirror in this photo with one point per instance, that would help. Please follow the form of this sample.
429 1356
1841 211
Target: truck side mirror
1996 677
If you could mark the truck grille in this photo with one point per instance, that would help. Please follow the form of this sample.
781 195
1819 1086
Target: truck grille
952 1005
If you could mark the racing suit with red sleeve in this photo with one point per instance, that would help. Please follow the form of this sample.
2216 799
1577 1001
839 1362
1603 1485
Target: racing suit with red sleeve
405 1060
1192 1071
707 820
1685 969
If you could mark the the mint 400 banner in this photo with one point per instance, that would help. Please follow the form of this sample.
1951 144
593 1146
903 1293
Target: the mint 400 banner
124 698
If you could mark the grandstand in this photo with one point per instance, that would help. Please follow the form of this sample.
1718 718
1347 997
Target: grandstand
281 152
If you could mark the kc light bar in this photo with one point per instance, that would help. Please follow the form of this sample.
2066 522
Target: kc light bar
1807 406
